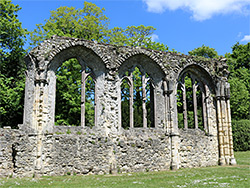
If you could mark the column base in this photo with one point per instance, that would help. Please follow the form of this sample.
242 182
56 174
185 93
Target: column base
233 161
222 161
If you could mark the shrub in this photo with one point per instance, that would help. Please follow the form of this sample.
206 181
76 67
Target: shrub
241 135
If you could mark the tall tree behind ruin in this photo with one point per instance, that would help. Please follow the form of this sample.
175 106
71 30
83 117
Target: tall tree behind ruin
239 79
12 78
204 51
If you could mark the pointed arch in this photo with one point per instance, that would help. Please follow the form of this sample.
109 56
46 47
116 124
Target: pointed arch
92 71
143 90
195 87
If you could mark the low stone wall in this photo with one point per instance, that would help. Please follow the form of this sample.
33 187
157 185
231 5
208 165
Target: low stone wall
197 149
89 151
6 152
76 150
143 150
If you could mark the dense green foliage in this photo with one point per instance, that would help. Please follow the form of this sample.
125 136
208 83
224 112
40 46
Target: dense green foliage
204 51
241 135
89 23
239 66
12 66
134 36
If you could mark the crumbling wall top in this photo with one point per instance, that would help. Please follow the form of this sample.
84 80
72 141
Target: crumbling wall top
114 56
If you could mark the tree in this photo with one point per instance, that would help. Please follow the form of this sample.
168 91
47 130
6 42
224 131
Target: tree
240 99
239 79
12 67
204 51
11 39
89 23
240 56
134 36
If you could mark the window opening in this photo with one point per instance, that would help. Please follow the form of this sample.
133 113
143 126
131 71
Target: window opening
88 98
125 102
90 102
75 95
180 103
191 104
137 82
68 93
137 99
150 103
200 112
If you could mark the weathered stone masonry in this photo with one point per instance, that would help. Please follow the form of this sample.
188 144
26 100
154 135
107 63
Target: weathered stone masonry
39 147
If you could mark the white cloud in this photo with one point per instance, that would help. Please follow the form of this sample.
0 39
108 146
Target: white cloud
154 37
201 9
246 38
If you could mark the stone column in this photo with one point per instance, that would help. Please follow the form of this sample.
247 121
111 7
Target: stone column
232 160
204 108
166 98
131 100
194 86
220 126
173 120
224 123
83 98
144 98
40 122
184 102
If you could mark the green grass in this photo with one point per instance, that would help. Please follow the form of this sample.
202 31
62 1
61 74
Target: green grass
243 157
228 176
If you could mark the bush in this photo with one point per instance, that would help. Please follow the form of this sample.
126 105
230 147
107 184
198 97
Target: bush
241 135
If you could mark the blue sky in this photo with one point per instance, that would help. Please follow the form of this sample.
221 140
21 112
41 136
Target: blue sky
181 24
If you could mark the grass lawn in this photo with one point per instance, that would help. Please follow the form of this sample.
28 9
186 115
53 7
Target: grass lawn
229 176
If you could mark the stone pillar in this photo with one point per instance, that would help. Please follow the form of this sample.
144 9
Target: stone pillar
166 98
39 123
194 86
28 100
131 100
39 106
173 121
184 101
83 88
204 108
224 123
144 98
232 160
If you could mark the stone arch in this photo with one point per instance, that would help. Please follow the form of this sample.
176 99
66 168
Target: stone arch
83 54
201 73
201 79
86 58
155 76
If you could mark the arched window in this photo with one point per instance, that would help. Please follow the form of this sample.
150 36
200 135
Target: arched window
127 102
75 95
137 99
191 102
68 93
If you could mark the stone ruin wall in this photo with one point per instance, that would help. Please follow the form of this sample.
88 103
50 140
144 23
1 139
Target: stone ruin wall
39 147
